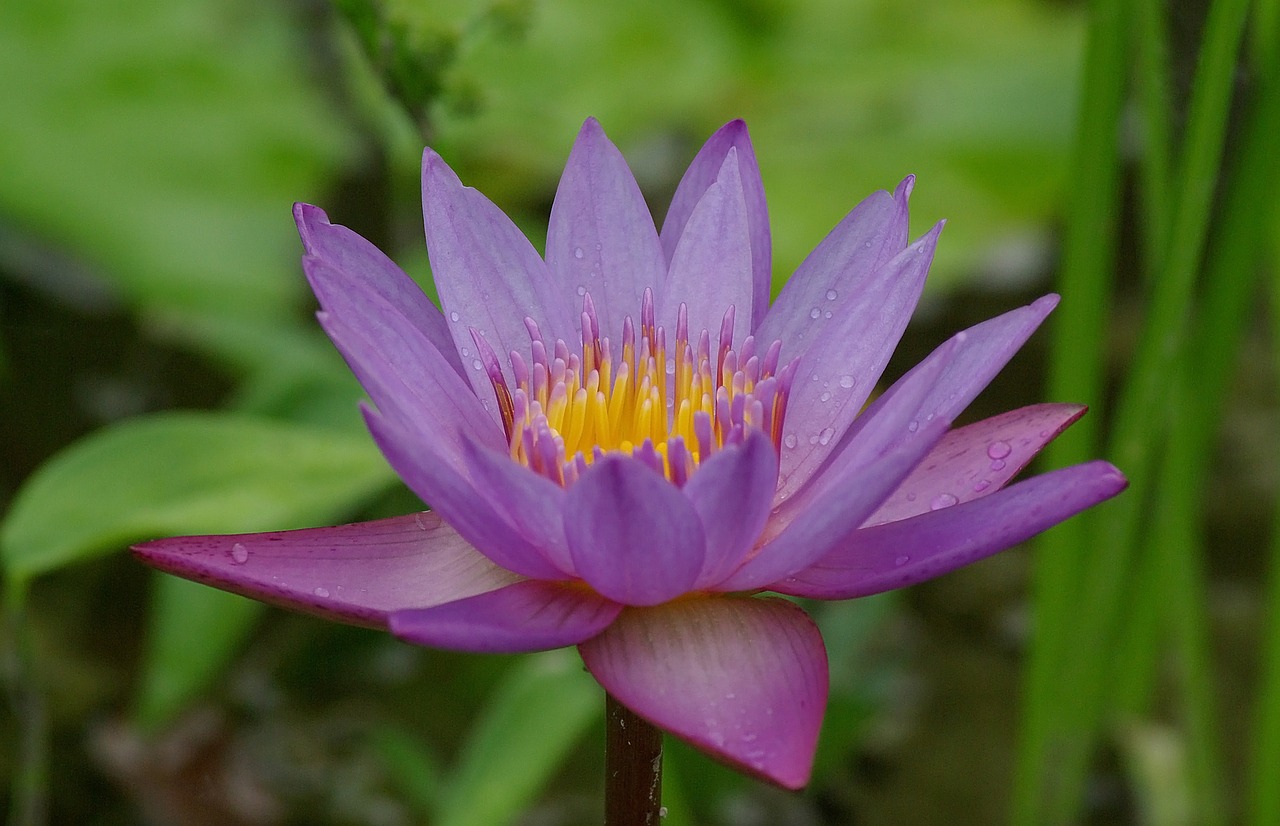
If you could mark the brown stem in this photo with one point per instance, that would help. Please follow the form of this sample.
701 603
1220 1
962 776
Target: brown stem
632 768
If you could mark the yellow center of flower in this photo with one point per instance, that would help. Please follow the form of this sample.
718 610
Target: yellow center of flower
671 409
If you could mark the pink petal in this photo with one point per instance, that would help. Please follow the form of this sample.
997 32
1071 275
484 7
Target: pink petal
977 460
468 510
711 266
404 374
359 260
352 573
732 492
526 616
701 174
633 535
898 554
601 238
740 678
487 273
839 369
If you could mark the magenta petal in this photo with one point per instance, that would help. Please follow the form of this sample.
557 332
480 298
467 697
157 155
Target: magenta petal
456 499
977 460
526 616
360 261
701 174
633 535
352 573
897 554
487 273
601 239
838 371
711 266
740 678
732 493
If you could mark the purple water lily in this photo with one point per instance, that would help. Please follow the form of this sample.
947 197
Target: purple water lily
624 445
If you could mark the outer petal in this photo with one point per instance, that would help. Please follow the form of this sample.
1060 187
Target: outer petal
897 554
731 493
526 616
456 499
359 260
600 238
404 374
711 266
352 573
839 369
743 679
633 535
701 174
488 274
977 460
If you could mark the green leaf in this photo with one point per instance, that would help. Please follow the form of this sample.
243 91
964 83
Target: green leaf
183 473
535 717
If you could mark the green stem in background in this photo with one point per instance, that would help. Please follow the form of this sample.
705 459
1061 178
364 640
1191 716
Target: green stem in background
28 805
632 768
1077 356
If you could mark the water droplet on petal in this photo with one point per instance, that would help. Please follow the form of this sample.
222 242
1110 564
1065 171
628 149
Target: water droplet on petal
790 440
913 426
997 464
239 554
911 497
577 252
846 382
825 436
831 295
999 450
321 592
827 314
825 397
815 313
465 352
454 316
477 364
581 290
942 500
901 560
981 486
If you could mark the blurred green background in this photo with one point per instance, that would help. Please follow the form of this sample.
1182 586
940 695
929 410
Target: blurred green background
161 373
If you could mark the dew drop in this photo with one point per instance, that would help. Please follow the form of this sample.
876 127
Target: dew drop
790 440
997 464
981 486
913 425
942 500
999 450
846 382
911 497
901 560
465 352
581 290
827 314
239 554
321 592
831 295
867 245
815 313
453 316
577 252
477 364
825 397
825 436
813 440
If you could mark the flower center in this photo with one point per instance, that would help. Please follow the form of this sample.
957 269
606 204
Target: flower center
672 412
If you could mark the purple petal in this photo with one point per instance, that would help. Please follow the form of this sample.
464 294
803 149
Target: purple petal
352 573
740 678
526 616
600 239
701 174
456 499
732 492
711 266
838 370
898 554
487 273
405 375
633 535
360 261
977 460
531 502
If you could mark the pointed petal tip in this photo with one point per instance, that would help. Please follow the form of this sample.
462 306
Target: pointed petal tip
904 188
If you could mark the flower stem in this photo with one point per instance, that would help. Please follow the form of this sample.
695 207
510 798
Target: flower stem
632 768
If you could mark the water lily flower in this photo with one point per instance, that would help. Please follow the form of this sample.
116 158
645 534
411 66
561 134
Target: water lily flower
625 447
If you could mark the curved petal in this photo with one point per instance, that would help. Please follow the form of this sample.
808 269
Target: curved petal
839 368
731 493
633 535
740 678
403 373
352 573
711 266
455 498
360 261
533 503
600 239
701 174
487 273
898 554
527 616
977 460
